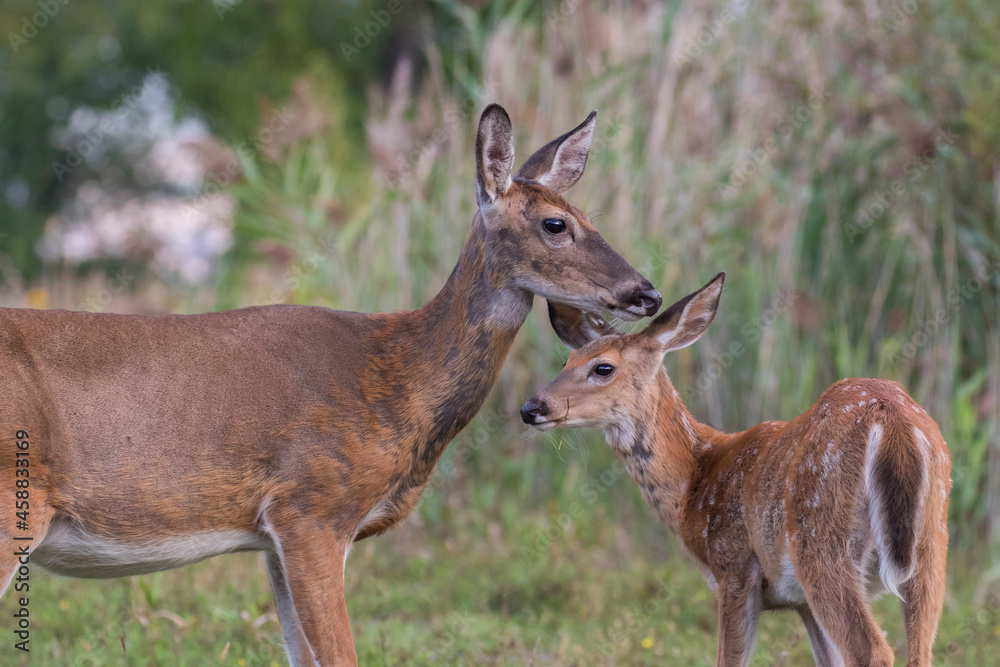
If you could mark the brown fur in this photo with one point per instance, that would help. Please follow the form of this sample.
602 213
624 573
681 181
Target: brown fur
290 424
796 494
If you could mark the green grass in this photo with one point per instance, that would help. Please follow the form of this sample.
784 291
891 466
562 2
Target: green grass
479 589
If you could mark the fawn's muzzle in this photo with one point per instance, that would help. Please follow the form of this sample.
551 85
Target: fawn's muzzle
534 411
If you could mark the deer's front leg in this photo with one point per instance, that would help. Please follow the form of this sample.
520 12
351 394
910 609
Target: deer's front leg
312 557
296 647
739 609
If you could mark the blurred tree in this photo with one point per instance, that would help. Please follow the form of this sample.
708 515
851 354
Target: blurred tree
221 57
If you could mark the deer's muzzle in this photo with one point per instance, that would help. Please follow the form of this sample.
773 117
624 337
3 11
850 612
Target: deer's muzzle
534 411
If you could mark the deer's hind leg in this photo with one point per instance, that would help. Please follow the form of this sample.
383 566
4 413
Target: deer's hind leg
923 593
837 602
19 537
823 652
25 502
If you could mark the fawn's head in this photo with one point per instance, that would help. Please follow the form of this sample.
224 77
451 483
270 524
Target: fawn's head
609 380
541 243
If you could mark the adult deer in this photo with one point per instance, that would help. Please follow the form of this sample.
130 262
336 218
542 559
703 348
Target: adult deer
160 441
811 514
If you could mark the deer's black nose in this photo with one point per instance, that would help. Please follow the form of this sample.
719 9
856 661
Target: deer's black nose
532 410
648 299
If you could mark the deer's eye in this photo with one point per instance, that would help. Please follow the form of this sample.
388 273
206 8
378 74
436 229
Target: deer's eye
604 370
554 226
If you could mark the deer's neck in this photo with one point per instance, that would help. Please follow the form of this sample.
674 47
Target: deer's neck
457 346
670 453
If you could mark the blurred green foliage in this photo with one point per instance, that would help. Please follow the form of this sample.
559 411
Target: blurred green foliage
222 57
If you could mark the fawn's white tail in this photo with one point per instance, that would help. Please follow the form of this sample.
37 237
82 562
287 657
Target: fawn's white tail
896 480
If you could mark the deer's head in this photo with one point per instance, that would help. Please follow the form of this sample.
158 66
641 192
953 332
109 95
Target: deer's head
609 381
540 242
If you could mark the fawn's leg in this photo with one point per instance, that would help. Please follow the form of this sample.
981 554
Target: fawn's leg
823 652
739 609
312 556
291 630
923 598
835 597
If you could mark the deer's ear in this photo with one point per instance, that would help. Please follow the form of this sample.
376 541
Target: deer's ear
575 327
560 163
494 154
684 322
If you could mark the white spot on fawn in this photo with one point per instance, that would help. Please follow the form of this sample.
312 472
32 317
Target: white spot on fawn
687 427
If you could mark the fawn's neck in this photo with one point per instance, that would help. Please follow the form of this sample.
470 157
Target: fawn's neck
669 452
457 345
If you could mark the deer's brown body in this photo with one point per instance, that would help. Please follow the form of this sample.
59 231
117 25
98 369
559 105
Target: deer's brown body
159 441
192 423
816 514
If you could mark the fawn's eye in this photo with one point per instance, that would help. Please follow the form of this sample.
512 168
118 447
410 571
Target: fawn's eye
604 370
554 226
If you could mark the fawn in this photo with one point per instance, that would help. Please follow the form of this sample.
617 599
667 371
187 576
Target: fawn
144 443
815 514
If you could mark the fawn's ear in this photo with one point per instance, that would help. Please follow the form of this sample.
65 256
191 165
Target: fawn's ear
560 163
494 154
575 327
684 322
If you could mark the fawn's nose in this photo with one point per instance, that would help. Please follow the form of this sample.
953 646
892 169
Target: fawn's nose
533 409
647 298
